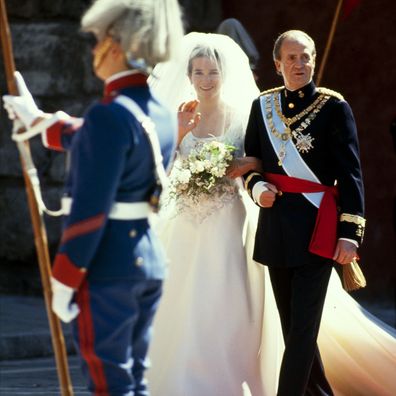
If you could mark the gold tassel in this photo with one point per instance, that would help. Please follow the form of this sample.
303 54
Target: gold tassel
352 276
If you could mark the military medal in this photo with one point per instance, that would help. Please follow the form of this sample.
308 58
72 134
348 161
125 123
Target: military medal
282 154
286 135
303 142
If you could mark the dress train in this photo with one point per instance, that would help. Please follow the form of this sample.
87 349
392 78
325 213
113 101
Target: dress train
218 332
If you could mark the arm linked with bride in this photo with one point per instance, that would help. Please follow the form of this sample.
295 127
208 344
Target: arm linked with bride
242 165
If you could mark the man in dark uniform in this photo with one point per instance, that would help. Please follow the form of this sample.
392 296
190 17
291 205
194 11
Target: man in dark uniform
307 141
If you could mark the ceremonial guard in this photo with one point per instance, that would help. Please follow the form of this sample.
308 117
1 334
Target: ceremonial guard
311 198
108 272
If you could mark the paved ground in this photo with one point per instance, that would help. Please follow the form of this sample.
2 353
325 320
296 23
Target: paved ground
26 363
37 377
24 331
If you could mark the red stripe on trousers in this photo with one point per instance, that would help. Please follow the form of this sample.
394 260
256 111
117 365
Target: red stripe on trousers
86 338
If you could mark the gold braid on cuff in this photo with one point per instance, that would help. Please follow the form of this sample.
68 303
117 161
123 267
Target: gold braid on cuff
249 178
358 220
355 219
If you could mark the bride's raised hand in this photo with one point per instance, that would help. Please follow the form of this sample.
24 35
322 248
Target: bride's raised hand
242 165
187 118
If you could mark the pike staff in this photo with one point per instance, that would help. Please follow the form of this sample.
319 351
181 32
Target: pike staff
329 41
40 235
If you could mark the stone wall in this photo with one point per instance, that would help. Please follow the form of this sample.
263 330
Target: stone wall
54 58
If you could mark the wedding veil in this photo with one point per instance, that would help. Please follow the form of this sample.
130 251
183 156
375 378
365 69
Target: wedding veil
170 83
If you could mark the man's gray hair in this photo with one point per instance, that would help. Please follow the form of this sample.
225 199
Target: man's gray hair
148 30
292 35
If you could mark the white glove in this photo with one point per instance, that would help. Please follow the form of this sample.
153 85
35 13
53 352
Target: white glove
23 106
61 301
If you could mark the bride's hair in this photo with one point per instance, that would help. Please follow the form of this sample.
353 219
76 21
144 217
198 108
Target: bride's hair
203 51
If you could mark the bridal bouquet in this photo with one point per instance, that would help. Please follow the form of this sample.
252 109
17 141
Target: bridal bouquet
203 171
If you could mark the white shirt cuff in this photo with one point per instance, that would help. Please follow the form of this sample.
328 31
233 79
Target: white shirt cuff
257 189
350 240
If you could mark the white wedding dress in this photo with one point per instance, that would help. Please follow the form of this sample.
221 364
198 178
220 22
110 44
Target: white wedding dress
217 331
207 332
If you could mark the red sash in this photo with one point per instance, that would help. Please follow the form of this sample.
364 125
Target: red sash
324 236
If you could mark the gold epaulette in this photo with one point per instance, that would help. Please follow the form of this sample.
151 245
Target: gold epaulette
272 90
330 92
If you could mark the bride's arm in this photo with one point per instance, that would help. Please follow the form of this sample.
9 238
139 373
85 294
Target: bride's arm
242 165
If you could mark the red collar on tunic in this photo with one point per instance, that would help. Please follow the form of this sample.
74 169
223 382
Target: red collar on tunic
126 81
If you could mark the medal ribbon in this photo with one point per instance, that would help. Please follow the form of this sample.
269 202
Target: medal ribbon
292 163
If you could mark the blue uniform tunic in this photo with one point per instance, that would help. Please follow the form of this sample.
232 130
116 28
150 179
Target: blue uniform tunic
111 161
116 266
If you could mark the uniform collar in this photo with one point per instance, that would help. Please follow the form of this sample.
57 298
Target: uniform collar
298 99
124 79
306 91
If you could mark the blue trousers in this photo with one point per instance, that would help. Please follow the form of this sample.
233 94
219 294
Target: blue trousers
112 334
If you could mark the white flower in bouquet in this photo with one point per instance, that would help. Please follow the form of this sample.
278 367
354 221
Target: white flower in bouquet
203 171
184 176
207 164
197 166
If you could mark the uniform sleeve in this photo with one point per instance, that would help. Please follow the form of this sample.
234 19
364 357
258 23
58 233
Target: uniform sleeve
59 130
252 146
97 163
349 174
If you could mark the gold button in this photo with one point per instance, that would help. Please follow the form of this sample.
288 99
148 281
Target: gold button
291 105
139 261
132 233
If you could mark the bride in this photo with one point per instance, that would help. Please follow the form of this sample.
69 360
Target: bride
207 332
217 330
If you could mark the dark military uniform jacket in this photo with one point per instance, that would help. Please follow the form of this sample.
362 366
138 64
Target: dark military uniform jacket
284 230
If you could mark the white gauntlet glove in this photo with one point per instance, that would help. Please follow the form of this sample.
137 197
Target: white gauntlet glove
23 106
61 301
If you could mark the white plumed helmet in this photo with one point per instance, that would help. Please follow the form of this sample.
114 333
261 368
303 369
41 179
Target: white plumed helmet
149 31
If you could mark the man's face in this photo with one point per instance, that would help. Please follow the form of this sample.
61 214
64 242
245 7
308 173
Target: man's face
108 58
296 63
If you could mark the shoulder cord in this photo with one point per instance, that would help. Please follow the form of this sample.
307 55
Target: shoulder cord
149 128
145 121
30 169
